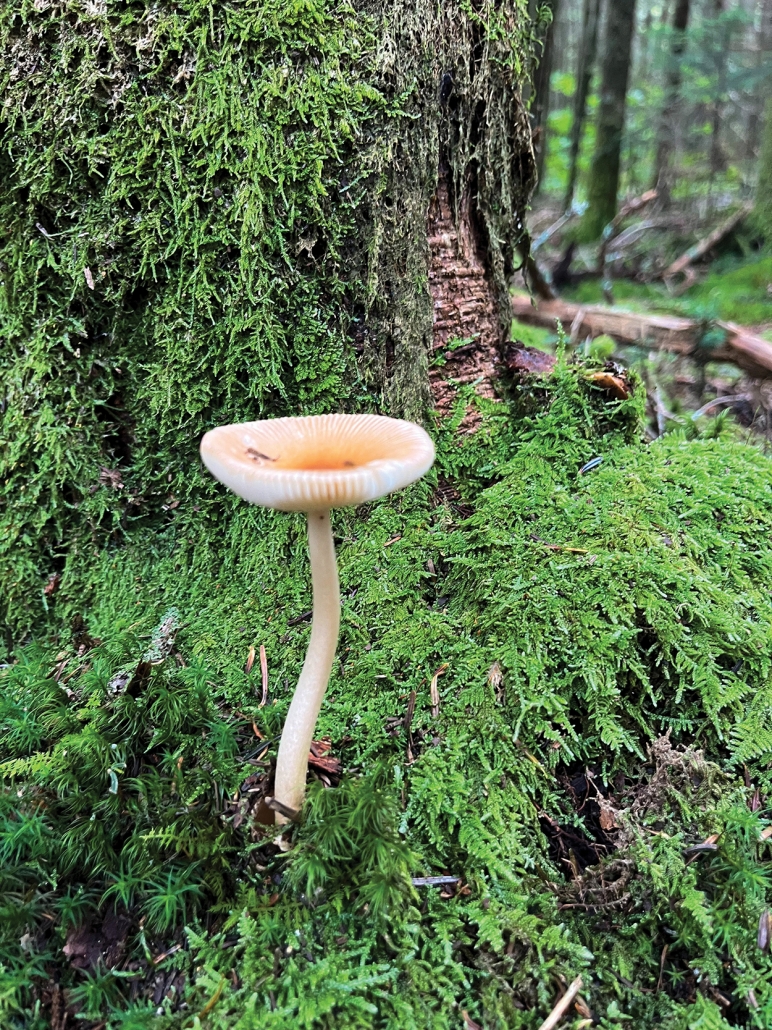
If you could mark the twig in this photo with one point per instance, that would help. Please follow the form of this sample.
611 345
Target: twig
562 1006
264 671
547 235
434 690
610 232
434 881
729 399
299 618
166 954
662 960
408 723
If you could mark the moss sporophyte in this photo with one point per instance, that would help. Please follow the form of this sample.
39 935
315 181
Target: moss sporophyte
312 464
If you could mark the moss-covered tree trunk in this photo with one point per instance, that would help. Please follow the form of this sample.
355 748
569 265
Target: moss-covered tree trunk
215 213
606 163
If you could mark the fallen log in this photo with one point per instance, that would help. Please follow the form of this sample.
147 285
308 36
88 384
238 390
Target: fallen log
658 332
700 249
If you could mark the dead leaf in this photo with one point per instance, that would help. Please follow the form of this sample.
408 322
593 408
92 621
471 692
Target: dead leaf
250 660
111 478
469 1022
52 585
89 277
607 816
616 385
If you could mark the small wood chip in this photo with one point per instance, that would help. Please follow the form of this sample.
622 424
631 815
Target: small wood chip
766 833
393 540
89 277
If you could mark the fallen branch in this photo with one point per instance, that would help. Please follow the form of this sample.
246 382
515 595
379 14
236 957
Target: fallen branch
612 229
700 249
658 332
562 1006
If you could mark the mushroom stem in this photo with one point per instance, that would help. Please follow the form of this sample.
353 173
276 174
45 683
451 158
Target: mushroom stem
298 732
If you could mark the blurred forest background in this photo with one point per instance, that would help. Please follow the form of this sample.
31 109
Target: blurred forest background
653 134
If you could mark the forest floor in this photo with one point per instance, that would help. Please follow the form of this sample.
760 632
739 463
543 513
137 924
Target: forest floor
544 754
733 283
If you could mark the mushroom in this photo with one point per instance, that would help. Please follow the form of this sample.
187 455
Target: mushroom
313 464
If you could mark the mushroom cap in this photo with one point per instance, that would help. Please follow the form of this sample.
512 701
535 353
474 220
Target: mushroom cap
317 462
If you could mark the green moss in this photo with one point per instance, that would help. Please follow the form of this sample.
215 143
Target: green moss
580 615
216 213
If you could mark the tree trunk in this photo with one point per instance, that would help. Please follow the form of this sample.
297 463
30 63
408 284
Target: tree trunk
540 108
670 118
218 214
588 51
763 44
717 157
604 177
764 190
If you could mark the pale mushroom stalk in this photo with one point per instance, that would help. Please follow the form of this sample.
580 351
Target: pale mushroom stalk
296 738
312 464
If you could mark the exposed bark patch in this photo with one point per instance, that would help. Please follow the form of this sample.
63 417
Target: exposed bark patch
464 299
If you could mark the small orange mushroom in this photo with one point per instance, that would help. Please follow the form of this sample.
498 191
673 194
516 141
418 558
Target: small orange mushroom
313 464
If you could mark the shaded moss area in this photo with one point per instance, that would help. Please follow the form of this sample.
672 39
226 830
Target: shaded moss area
214 213
570 619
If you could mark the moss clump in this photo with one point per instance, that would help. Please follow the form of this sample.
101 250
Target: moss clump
577 617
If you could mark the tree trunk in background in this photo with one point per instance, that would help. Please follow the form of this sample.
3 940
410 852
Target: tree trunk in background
588 52
604 177
763 57
764 190
717 156
540 109
214 214
670 118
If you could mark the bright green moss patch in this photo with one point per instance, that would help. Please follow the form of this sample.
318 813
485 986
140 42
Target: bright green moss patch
573 617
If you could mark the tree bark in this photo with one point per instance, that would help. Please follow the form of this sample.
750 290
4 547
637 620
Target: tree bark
219 214
540 108
588 52
670 117
606 164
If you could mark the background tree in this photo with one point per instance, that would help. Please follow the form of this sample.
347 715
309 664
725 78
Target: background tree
540 106
606 164
670 118
764 191
588 52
